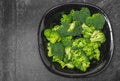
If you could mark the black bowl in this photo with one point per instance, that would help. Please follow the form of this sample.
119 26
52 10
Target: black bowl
52 17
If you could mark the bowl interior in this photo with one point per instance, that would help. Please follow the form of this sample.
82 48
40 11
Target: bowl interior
51 18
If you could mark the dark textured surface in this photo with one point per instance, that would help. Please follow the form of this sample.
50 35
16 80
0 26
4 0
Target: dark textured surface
19 56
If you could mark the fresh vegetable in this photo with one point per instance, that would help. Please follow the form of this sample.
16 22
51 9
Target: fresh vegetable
75 42
52 36
96 20
87 31
98 36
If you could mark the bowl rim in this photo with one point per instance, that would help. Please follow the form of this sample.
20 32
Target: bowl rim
47 64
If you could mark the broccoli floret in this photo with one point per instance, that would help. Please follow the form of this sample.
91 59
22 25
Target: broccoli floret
58 60
52 36
66 18
56 50
92 50
97 54
82 63
71 23
49 48
98 36
68 53
68 29
81 15
67 41
56 27
87 31
71 27
97 20
65 24
61 29
78 59
74 29
47 32
80 42
88 50
70 65
76 54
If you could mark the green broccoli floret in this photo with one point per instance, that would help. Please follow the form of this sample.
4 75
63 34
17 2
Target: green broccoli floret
52 36
49 48
81 15
98 36
87 31
47 32
71 23
67 41
92 50
77 59
58 60
71 27
82 63
68 29
56 27
70 65
68 52
97 54
58 50
97 20
80 42
75 54
61 29
74 29
66 18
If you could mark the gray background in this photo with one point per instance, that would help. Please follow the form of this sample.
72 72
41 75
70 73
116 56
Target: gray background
19 56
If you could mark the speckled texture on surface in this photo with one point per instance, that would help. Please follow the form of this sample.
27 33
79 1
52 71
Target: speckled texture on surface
19 56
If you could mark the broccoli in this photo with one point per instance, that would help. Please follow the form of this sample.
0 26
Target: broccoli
68 53
81 15
67 41
78 59
82 63
58 60
75 42
98 36
69 65
61 29
56 27
68 29
49 50
97 54
87 31
71 27
66 18
92 50
80 42
97 20
52 36
71 23
57 49
74 29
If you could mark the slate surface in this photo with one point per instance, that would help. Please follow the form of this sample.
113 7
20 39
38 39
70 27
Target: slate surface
19 56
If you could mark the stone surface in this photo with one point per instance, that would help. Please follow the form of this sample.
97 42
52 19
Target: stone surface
19 56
